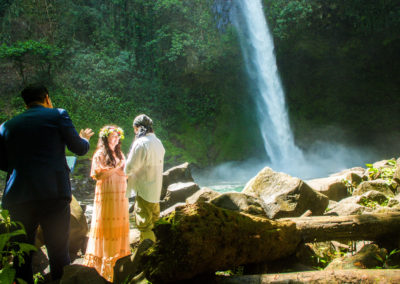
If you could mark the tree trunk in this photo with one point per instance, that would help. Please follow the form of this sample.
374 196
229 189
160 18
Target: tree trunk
355 227
337 276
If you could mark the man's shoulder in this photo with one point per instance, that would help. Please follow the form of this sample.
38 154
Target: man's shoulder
13 120
61 110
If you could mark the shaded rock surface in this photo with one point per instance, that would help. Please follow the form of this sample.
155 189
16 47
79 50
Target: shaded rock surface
368 257
203 195
241 202
178 192
180 173
78 274
333 187
78 230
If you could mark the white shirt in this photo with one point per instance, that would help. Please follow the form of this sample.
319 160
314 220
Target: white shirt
144 168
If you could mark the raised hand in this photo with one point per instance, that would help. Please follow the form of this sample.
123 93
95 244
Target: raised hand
86 133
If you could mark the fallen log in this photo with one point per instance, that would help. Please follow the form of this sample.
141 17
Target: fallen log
331 277
202 238
355 227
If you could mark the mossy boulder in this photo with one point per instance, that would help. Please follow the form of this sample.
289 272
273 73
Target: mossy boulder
377 185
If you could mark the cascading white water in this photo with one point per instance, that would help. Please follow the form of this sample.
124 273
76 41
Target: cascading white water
258 52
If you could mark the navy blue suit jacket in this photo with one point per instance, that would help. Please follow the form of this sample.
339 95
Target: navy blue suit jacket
32 152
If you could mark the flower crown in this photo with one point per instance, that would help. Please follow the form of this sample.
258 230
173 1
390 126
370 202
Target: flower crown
106 131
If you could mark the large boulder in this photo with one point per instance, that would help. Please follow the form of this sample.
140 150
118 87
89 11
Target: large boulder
376 185
176 174
333 187
285 196
239 202
178 192
78 228
374 197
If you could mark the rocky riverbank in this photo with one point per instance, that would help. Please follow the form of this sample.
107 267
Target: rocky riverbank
222 237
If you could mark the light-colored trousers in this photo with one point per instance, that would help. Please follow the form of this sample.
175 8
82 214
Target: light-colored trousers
146 214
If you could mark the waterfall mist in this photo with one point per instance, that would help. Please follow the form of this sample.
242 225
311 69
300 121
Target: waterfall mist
319 159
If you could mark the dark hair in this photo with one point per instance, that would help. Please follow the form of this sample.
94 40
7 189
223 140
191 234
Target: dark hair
103 145
144 123
34 93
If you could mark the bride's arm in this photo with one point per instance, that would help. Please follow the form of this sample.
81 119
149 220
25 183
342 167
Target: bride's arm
99 169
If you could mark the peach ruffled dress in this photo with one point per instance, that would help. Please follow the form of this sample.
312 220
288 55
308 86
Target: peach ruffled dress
109 232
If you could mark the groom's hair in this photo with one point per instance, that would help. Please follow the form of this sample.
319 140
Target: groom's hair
34 93
144 123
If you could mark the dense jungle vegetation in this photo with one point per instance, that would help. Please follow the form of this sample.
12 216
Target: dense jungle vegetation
106 61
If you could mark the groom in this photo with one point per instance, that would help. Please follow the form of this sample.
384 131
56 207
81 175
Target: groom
38 191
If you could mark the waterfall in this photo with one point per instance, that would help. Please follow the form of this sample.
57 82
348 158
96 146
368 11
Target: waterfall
258 53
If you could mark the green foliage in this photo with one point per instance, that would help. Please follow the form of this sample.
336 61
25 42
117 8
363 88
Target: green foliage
9 249
385 262
238 271
372 204
385 172
37 54
324 254
107 61
349 186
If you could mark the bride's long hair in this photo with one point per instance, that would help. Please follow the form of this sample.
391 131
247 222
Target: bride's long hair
103 145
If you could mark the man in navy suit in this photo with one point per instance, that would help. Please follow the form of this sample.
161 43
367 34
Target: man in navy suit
38 190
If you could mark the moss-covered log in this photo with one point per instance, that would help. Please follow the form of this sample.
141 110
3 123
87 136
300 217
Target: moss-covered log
202 238
354 227
331 277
